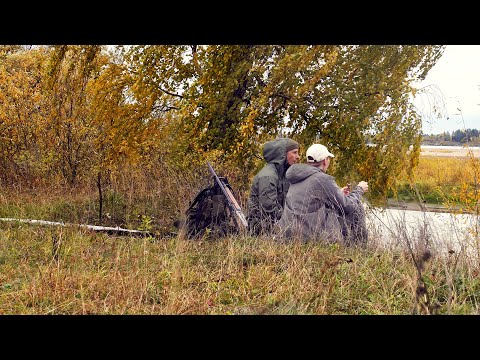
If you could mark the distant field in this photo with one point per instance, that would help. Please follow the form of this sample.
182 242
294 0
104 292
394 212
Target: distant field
450 151
445 175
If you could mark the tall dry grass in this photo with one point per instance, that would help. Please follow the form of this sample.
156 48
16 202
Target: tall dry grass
69 270
131 198
437 179
52 270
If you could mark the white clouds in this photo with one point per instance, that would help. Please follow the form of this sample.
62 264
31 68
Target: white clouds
453 83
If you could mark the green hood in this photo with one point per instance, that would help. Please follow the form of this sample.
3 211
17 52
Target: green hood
275 152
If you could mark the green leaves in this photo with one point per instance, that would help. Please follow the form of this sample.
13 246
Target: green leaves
229 100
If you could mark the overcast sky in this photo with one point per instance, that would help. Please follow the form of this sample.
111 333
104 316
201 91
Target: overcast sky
452 84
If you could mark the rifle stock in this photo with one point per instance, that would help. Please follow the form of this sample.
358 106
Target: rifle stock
239 217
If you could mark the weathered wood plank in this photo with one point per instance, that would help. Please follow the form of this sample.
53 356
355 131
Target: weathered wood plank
110 230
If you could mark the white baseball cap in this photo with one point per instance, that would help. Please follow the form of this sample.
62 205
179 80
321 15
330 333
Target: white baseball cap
317 153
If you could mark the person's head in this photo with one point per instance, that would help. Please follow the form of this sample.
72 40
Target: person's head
292 152
319 156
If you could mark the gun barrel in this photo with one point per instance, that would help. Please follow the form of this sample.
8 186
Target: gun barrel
232 202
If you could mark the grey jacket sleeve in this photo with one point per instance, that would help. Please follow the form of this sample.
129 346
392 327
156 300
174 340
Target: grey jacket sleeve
268 197
344 205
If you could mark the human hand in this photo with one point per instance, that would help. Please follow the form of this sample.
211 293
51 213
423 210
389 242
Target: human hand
346 189
363 185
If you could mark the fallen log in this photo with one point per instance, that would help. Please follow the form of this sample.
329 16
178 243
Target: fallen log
110 230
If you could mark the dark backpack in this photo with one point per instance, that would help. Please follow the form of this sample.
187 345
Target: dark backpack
209 213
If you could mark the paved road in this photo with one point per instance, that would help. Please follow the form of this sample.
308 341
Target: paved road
443 232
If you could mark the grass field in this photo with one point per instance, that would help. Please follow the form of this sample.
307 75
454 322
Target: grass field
47 270
448 180
70 270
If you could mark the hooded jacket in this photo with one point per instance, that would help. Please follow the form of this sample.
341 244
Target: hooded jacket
269 187
315 206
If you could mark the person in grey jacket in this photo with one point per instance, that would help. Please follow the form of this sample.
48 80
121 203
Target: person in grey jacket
316 208
269 186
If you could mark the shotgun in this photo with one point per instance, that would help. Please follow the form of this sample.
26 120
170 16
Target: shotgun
235 209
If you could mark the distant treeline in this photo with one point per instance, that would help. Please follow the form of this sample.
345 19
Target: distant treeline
457 137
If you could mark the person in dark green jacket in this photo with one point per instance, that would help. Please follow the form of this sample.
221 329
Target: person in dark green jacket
269 186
